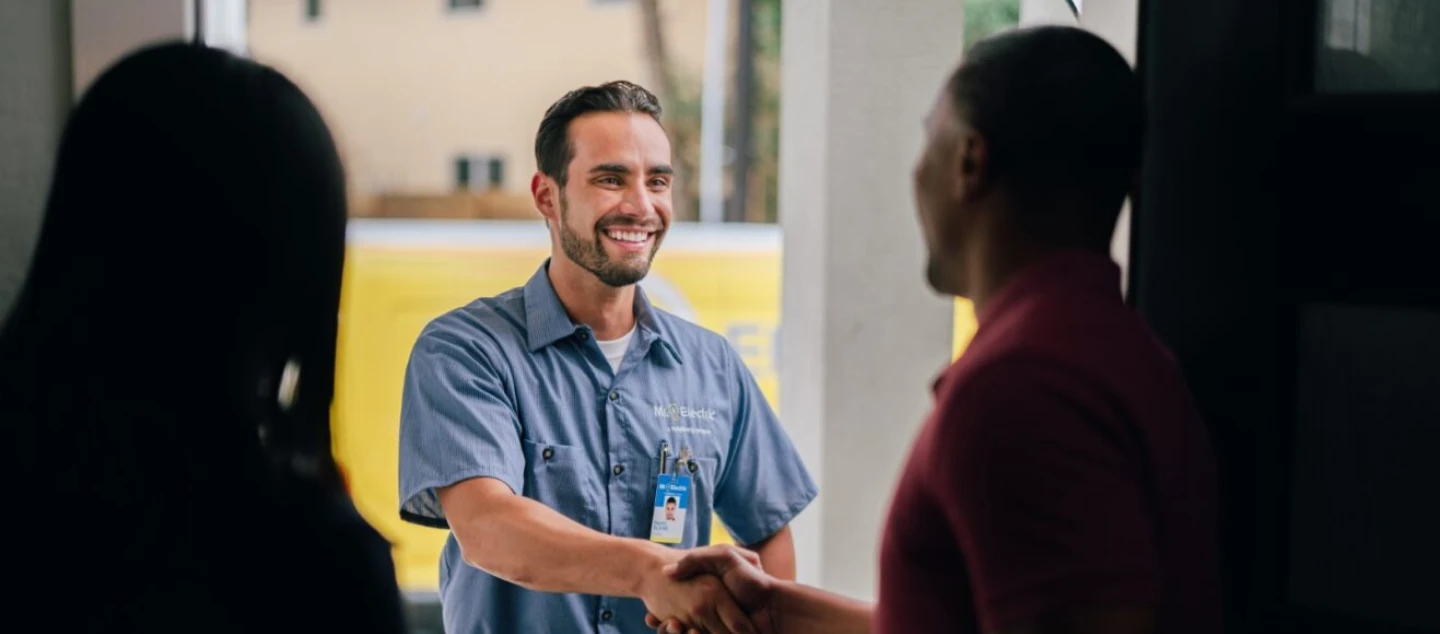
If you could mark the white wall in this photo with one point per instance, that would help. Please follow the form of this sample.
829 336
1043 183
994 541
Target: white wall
34 99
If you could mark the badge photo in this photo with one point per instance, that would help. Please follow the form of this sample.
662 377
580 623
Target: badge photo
672 499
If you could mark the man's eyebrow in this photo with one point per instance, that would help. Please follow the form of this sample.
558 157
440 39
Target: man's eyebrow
610 168
624 170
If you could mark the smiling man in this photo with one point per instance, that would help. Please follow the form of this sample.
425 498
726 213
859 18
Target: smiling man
542 426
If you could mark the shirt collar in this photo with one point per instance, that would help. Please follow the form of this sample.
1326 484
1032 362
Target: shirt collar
546 321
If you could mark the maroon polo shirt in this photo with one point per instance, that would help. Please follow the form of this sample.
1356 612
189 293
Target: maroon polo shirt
1064 466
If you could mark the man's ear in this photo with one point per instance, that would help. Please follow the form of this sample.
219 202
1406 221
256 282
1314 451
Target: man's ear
972 166
546 194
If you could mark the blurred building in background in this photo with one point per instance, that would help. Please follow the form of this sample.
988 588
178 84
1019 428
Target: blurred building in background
436 102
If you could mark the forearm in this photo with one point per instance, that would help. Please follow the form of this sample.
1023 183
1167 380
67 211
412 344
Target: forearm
802 609
533 546
777 554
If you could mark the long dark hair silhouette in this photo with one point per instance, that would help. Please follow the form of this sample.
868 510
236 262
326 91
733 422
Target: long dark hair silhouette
187 273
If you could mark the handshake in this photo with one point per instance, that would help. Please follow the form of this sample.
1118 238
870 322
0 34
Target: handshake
716 590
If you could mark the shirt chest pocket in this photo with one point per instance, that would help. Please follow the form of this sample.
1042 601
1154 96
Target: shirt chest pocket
562 478
698 518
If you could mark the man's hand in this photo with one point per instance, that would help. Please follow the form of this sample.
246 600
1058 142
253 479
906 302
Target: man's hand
739 571
700 601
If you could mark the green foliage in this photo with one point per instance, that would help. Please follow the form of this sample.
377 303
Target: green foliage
986 17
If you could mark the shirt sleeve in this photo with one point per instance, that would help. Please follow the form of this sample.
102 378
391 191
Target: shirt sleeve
457 421
764 484
1045 493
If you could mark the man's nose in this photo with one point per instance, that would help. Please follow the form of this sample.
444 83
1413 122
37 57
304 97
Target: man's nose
638 202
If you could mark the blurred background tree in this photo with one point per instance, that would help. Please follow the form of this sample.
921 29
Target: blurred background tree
986 17
679 96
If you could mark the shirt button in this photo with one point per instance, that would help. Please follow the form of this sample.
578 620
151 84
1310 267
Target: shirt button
584 335
548 453
619 469
605 616
694 467
614 395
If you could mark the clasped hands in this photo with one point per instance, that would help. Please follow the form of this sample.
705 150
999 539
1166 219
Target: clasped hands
712 590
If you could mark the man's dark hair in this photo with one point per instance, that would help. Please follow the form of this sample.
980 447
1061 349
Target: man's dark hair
671 501
1061 112
553 149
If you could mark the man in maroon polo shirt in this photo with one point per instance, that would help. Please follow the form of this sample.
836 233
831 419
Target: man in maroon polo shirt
1064 481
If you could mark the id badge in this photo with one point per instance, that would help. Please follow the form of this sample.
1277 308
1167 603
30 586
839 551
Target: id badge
672 499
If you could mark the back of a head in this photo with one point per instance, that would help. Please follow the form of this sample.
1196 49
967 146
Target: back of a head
193 242
1061 112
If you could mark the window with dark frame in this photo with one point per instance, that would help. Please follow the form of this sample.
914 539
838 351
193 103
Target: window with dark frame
479 172
462 173
497 172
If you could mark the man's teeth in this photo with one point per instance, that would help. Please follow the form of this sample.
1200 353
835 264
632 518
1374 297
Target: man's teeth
628 236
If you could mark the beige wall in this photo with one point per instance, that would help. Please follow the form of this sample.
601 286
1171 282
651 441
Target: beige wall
408 85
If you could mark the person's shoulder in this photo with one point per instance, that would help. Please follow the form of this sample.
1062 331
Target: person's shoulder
1011 364
497 318
1092 341
1006 375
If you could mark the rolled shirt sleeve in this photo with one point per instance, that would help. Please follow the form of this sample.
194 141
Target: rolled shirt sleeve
457 421
765 485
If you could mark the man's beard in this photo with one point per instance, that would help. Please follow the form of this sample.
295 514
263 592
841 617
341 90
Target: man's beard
591 254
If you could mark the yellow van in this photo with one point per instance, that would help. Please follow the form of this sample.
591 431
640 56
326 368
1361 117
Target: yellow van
400 274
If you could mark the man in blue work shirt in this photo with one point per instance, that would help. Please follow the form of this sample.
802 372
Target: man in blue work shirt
546 426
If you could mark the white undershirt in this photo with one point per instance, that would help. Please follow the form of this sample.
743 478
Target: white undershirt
615 349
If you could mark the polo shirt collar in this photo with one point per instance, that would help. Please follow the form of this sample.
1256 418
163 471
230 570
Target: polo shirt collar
546 321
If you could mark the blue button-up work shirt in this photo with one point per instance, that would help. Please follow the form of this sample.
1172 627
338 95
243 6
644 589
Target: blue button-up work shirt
510 388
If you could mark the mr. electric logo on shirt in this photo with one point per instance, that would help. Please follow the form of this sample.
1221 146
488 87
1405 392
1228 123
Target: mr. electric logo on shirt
676 413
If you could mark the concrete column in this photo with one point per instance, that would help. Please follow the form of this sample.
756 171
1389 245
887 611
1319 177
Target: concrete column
863 335
34 99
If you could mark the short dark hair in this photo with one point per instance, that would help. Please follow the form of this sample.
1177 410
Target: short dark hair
553 149
1060 110
671 501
